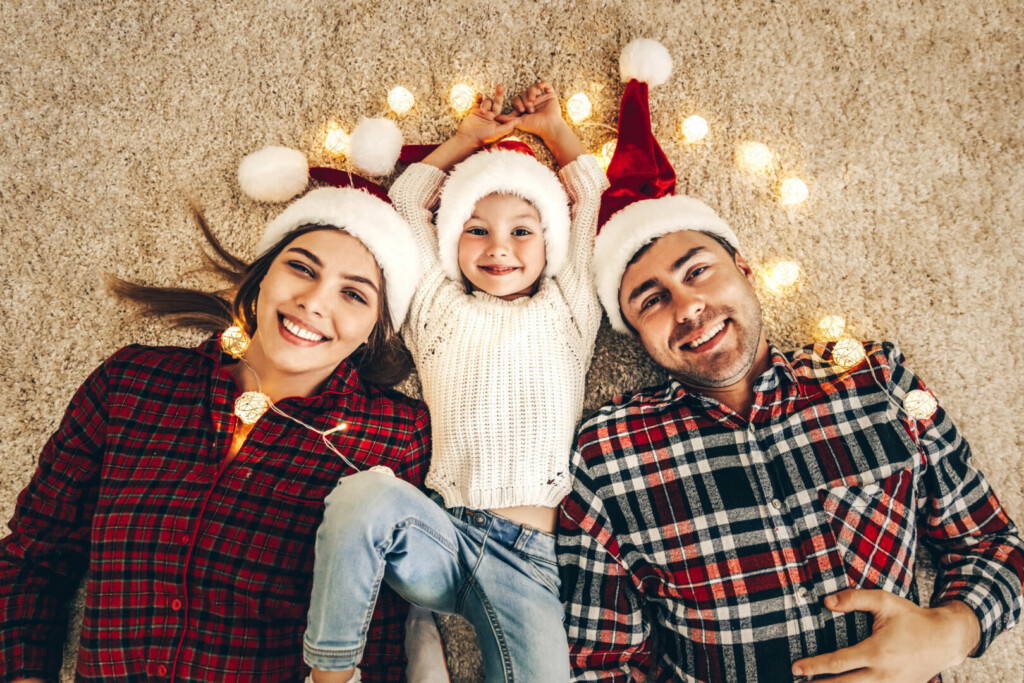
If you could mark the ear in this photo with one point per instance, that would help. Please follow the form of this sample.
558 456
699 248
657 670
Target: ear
744 267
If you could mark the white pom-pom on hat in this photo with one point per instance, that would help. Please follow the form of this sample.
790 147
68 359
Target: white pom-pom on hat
273 174
645 60
375 146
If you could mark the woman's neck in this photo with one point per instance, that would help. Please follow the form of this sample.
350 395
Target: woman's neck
256 373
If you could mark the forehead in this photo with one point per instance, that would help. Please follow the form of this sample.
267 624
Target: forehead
662 254
339 252
505 204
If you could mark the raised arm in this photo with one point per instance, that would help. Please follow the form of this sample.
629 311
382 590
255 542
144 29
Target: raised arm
44 557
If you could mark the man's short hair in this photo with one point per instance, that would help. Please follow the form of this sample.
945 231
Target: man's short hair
729 249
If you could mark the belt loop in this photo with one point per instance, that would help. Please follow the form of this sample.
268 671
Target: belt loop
523 539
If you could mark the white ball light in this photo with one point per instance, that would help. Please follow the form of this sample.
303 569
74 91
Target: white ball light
919 404
578 107
754 157
695 129
782 275
847 352
605 154
337 141
462 98
400 100
832 327
793 191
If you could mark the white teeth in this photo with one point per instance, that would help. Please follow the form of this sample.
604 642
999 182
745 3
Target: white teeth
300 332
706 336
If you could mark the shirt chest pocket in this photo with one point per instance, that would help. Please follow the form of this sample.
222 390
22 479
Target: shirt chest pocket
874 528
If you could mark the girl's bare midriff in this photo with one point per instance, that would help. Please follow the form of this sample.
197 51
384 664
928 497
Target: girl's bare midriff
536 516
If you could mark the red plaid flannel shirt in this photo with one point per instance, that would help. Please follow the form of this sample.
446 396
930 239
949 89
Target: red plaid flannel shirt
696 545
197 569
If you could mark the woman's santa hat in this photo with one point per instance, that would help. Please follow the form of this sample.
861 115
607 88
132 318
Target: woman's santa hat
640 205
354 204
508 167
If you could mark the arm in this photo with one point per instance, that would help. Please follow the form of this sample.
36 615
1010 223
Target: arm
42 560
980 564
608 637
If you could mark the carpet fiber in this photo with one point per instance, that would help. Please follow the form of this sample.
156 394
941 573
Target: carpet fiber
902 117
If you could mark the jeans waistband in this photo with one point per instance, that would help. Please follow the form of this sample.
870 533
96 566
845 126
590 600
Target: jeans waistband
502 530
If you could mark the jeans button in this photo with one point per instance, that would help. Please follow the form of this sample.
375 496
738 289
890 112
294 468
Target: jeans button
479 519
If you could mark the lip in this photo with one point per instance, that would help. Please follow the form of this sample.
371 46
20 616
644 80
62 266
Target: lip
710 344
292 338
498 270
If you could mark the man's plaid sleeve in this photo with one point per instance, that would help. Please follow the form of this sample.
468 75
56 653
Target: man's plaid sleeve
604 618
42 560
979 551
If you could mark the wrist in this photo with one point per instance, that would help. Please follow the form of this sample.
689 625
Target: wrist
964 628
465 142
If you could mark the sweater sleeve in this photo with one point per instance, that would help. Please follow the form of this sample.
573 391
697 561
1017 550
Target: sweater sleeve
44 557
979 552
585 182
414 195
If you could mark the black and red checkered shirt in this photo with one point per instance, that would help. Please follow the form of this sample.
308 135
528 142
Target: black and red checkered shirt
698 545
199 568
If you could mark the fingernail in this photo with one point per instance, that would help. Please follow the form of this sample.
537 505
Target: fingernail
830 601
797 671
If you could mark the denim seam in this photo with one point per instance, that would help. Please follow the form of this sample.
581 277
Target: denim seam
415 523
496 631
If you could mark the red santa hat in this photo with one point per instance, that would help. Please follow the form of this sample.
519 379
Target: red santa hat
640 205
355 204
508 167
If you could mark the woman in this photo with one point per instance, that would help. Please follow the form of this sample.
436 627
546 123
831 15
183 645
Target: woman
196 517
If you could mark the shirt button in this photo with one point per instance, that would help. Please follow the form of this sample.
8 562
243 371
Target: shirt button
185 539
175 604
161 670
802 592
776 503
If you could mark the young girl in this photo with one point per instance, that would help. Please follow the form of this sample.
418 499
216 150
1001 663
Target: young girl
196 517
502 329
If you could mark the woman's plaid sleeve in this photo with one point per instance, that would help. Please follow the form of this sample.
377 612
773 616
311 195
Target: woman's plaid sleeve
604 618
980 555
42 560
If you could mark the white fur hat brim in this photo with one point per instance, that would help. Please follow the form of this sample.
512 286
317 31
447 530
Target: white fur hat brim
502 171
370 220
639 224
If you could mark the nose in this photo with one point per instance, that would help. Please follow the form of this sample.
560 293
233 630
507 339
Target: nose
497 246
313 298
687 306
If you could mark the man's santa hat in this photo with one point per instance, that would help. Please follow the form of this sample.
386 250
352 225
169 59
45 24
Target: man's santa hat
354 204
640 205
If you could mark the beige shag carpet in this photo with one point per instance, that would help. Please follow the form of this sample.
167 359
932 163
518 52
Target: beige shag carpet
903 117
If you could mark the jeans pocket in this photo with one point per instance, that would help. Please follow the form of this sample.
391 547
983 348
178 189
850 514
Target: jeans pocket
544 572
874 528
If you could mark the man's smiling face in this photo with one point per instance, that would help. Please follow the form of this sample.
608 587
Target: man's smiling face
694 307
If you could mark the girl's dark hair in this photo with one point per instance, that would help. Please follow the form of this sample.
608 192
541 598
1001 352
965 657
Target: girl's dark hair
382 360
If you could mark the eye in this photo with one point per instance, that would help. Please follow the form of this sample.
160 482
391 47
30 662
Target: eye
354 295
650 301
476 230
301 267
696 272
522 232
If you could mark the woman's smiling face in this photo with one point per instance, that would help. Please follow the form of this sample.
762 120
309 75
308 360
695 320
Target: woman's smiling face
320 299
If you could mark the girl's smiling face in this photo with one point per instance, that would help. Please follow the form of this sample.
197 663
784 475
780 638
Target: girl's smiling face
319 300
502 249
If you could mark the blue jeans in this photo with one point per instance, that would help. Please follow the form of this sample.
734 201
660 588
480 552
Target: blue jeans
500 575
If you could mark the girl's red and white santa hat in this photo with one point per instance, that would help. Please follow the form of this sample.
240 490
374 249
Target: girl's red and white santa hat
640 205
508 167
354 204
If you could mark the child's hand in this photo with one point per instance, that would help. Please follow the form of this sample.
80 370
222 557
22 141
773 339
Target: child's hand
538 110
485 122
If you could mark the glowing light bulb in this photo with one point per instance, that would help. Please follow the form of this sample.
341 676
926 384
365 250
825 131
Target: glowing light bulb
754 157
847 352
234 341
792 191
605 154
695 129
782 275
400 100
337 141
920 405
251 405
462 97
832 327
578 107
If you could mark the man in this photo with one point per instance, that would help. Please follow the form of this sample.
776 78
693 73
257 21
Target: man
757 517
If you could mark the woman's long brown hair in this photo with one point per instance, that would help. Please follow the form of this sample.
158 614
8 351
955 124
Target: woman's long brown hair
382 360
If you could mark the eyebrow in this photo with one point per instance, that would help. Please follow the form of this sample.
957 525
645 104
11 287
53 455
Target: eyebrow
514 218
652 282
355 278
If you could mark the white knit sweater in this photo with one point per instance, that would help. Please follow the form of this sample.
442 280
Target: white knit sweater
504 380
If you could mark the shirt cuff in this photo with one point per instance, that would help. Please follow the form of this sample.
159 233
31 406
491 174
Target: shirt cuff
583 178
989 601
420 182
